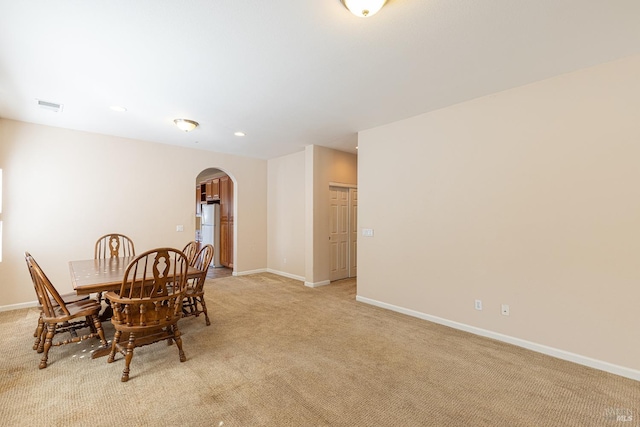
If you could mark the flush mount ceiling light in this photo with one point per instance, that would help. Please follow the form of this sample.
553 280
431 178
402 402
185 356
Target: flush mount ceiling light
363 8
185 124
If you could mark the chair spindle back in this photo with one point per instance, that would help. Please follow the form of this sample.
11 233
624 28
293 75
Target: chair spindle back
190 251
113 245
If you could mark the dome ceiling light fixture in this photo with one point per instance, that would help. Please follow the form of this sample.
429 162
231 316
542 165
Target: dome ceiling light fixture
363 8
186 124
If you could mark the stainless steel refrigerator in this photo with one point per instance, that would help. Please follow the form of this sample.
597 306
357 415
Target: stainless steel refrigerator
210 229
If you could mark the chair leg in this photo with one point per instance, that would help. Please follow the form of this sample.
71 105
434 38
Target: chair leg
196 301
43 335
114 346
169 331
178 340
91 324
38 334
127 358
204 310
35 333
98 329
51 330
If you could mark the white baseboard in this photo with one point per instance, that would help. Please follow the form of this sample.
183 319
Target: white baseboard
246 273
317 284
283 274
18 306
549 351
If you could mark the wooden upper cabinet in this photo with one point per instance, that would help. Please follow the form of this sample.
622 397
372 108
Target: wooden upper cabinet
215 188
212 189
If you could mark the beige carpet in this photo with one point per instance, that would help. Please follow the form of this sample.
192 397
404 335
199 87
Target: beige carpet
280 354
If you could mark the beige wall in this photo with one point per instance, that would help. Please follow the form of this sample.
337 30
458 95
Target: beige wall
528 197
286 220
323 167
63 189
299 210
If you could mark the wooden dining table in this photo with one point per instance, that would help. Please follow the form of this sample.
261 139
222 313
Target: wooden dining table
102 275
98 275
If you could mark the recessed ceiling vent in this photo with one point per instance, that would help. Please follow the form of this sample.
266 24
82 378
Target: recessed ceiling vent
51 106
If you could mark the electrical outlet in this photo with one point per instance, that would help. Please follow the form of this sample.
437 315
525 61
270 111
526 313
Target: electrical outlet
179 227
505 309
478 304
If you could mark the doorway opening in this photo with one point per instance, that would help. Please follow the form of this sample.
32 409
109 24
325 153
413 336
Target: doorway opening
215 207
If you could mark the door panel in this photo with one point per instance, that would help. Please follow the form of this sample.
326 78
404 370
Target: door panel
339 233
353 232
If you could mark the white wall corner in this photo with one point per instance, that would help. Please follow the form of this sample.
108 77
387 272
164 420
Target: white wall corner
284 274
248 272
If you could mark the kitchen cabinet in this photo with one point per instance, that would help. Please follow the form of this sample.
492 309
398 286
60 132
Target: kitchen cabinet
212 189
226 221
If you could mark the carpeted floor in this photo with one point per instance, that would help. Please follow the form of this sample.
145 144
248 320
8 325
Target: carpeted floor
280 354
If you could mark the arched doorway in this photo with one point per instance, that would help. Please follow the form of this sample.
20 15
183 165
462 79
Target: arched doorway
215 208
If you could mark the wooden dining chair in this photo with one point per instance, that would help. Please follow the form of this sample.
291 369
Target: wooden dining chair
193 303
40 332
113 245
148 305
58 316
190 251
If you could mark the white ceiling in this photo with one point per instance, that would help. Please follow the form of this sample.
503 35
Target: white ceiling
289 73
